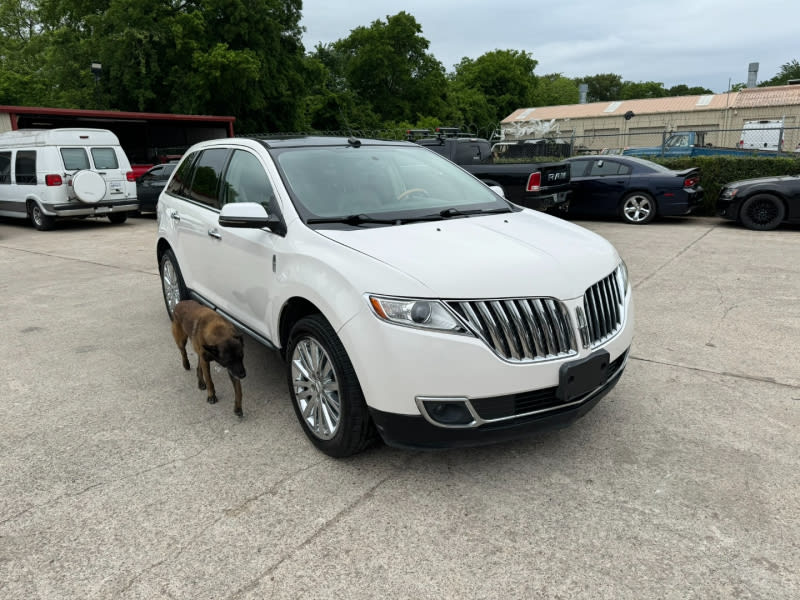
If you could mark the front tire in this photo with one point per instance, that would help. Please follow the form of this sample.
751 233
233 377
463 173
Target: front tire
762 212
326 394
638 208
172 285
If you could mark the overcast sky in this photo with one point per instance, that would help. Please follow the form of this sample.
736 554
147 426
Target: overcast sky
696 42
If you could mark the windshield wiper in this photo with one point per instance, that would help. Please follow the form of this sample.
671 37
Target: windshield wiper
447 213
355 220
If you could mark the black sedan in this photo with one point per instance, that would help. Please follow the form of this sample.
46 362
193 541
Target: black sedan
633 189
150 184
763 203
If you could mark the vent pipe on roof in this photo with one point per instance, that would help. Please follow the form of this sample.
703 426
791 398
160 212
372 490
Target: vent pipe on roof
752 75
583 90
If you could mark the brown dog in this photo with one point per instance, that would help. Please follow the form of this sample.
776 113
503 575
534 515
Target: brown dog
213 339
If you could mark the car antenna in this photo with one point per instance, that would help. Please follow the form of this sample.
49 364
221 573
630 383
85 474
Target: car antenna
354 141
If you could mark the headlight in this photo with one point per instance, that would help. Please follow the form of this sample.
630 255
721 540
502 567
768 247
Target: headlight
622 275
729 192
425 314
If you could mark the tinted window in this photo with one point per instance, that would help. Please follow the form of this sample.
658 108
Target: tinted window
25 167
74 159
604 168
166 171
207 172
104 158
246 181
182 176
5 167
577 168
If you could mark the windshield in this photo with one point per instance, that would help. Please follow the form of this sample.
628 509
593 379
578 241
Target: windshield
381 182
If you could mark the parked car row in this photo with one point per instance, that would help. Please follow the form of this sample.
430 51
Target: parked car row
46 175
638 190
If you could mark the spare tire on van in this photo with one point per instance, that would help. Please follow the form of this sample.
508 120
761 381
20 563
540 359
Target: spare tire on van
89 186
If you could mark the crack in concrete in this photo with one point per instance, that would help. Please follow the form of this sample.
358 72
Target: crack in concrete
225 513
746 377
99 484
324 528
80 260
672 259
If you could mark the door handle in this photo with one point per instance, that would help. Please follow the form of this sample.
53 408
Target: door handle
174 215
215 234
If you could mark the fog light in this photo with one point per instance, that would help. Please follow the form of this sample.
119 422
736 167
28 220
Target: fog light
453 412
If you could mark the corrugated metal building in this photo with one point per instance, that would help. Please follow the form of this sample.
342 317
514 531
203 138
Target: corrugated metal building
603 124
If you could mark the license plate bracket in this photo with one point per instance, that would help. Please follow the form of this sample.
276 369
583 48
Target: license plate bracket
579 377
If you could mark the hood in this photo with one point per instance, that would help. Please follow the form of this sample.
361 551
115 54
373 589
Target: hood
760 180
510 255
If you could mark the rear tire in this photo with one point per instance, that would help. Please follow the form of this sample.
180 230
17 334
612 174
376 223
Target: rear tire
40 221
638 208
118 218
172 285
762 212
325 391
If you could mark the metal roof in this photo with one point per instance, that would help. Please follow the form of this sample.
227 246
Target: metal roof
746 98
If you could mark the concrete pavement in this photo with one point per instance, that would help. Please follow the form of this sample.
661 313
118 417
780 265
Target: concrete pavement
118 480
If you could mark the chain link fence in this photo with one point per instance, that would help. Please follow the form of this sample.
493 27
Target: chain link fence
752 140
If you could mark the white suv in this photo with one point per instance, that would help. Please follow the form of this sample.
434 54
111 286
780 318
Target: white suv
407 297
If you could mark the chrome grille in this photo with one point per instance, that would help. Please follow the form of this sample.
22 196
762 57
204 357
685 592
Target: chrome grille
603 310
521 329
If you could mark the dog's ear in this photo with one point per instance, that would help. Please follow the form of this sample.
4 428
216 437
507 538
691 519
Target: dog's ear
212 351
239 336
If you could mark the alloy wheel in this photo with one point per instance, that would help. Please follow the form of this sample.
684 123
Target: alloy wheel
316 388
637 208
171 285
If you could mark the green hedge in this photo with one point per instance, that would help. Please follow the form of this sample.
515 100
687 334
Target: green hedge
716 171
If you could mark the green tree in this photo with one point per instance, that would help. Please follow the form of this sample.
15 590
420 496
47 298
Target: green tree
684 90
505 78
555 90
603 87
789 70
388 68
240 57
643 89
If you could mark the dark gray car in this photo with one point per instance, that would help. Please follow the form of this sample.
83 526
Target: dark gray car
150 184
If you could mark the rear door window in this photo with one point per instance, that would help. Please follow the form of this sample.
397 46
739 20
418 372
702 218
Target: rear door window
207 172
104 158
182 176
74 159
25 167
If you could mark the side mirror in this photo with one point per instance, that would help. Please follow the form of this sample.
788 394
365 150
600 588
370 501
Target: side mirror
498 190
249 215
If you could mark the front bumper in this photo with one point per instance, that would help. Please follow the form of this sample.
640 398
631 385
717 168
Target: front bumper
406 431
398 367
728 208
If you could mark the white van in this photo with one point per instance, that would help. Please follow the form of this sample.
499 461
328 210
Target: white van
48 174
762 135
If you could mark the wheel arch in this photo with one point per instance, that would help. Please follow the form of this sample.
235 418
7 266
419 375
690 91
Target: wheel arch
161 247
294 309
